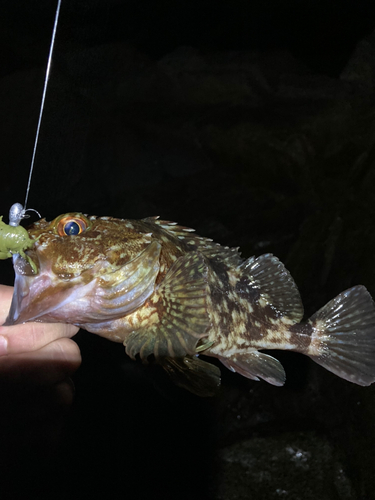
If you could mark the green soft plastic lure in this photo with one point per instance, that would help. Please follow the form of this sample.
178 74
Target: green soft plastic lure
14 239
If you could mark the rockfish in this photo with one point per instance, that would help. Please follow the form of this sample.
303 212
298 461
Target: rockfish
170 295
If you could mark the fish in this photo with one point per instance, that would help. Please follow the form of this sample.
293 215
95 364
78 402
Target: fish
171 297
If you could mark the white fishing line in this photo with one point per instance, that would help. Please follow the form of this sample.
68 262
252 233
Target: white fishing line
43 99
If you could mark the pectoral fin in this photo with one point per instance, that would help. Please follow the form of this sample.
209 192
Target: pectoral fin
179 317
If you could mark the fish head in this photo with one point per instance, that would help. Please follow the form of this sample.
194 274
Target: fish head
89 270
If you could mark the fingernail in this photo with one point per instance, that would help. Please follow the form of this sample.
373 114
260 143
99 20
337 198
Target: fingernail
3 345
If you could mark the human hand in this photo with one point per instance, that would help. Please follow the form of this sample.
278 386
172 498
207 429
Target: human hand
36 352
36 360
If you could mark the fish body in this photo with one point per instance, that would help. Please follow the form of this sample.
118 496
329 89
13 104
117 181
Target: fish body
170 295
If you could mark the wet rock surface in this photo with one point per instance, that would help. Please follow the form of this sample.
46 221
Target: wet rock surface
281 467
253 148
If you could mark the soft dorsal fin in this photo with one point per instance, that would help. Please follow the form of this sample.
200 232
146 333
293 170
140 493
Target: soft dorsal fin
272 280
178 315
256 365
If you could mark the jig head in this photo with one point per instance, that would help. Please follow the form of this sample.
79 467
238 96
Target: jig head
14 239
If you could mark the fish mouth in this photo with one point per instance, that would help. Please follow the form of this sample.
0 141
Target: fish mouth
101 293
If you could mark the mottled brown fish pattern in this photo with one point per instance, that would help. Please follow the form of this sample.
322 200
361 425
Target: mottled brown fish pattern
170 295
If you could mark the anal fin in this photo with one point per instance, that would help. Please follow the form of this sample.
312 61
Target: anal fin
255 365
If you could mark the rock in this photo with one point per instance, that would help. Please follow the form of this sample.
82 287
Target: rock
287 465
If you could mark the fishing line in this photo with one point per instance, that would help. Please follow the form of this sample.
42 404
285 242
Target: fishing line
17 211
14 239
43 100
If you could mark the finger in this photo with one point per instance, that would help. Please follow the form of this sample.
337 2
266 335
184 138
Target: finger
51 364
6 293
32 336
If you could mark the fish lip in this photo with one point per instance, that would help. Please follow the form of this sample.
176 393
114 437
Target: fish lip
25 283
14 311
22 266
23 271
24 276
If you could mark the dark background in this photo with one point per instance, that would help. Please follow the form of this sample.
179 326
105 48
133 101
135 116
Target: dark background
252 122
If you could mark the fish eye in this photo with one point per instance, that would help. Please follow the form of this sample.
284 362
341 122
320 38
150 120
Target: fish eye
71 226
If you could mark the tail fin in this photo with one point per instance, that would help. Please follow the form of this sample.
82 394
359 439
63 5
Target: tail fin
343 341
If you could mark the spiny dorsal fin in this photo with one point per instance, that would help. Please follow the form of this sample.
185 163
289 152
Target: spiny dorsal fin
255 365
179 316
230 256
274 283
